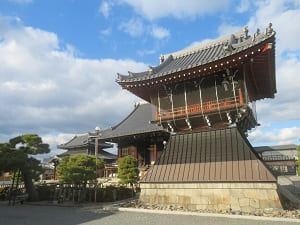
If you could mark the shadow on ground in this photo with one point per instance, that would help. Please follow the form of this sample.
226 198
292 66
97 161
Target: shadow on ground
49 215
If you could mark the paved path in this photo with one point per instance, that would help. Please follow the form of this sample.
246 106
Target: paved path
52 215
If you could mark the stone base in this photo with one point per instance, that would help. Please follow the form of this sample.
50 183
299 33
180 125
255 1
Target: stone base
246 197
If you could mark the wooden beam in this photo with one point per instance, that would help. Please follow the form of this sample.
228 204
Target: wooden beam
155 152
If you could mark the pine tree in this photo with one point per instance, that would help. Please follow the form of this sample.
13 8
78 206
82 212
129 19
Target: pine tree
128 171
15 156
78 168
298 162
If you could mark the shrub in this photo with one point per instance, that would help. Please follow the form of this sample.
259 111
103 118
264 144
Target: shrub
78 168
45 191
4 193
128 171
112 193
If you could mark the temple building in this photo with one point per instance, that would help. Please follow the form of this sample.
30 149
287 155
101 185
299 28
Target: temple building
137 136
205 97
280 159
85 144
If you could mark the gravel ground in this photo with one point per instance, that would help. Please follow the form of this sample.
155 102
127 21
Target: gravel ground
53 215
293 213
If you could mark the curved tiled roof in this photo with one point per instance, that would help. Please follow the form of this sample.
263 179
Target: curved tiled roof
81 140
101 154
200 55
137 122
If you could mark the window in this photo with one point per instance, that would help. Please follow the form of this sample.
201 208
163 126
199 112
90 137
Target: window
125 152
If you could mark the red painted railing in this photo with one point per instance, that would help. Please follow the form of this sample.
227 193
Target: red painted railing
208 106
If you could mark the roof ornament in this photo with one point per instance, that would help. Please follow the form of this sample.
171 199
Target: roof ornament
225 82
244 35
162 58
119 76
130 74
228 47
171 128
255 35
269 29
97 131
150 70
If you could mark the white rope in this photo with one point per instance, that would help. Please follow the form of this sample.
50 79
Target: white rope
186 107
233 86
217 98
201 103
245 86
158 99
172 106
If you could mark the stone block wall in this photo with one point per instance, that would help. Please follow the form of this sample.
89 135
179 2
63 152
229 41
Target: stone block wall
246 197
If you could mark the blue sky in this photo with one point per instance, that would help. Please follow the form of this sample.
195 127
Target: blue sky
59 59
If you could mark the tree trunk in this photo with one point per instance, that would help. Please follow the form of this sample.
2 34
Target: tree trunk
30 189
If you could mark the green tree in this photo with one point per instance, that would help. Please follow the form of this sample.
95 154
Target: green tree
16 156
78 168
298 162
128 171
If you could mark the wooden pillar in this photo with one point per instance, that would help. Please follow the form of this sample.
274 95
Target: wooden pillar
144 155
96 155
241 97
119 152
136 152
154 152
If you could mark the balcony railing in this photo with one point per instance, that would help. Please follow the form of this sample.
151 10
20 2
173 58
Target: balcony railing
208 106
278 158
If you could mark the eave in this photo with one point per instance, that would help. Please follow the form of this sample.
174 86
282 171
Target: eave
147 88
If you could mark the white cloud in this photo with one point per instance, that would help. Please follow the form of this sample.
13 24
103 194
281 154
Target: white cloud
156 9
54 140
225 29
286 105
146 52
105 8
280 13
283 15
160 32
46 89
243 6
134 27
283 136
106 31
197 43
12 86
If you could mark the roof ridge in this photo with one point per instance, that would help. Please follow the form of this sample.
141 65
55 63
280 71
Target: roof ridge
135 108
73 138
209 44
68 141
101 150
82 134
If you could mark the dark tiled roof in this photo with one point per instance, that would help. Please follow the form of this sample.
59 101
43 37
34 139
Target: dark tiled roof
106 155
200 55
73 152
82 140
223 155
101 154
137 122
51 159
275 148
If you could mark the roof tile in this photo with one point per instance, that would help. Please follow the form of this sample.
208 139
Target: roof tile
215 155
